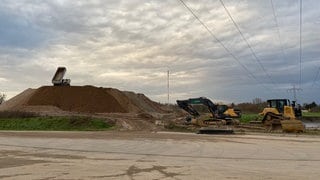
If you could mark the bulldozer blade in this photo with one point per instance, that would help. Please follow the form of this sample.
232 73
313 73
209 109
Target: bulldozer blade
292 126
276 125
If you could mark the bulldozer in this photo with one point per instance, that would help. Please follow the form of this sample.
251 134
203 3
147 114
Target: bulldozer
282 115
219 114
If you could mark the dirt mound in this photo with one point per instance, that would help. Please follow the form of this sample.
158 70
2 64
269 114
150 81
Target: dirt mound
75 98
17 102
124 100
82 99
140 100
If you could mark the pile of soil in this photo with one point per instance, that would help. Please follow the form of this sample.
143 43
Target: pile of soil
143 102
82 99
77 99
15 103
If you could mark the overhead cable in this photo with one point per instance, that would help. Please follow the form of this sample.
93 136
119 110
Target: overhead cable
278 29
315 79
249 46
224 47
300 50
220 42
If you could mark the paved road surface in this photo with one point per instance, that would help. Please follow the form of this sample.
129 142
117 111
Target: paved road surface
143 155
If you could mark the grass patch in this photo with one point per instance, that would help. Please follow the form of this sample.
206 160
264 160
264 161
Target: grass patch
54 124
246 118
310 114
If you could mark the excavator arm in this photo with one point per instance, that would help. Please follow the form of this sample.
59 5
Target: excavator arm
187 105
184 104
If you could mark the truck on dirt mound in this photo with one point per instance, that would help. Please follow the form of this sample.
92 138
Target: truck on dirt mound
58 80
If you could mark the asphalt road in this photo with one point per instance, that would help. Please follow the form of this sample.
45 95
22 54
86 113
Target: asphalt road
145 155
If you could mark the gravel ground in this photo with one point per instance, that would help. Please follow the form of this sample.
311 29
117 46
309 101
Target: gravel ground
162 155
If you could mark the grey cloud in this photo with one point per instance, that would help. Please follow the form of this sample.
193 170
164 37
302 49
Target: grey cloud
119 43
19 32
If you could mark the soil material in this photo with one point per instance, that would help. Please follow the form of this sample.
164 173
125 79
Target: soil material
80 99
129 110
75 98
15 103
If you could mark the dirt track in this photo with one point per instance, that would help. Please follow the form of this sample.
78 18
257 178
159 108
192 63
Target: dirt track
145 155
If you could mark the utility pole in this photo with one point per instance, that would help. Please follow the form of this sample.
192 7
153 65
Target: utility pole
168 86
294 90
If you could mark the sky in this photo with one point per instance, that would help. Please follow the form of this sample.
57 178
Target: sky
130 45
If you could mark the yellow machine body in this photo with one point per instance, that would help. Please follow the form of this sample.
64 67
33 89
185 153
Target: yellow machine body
281 115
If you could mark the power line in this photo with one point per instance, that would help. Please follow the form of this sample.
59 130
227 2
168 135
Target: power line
225 48
168 86
278 29
315 79
249 46
294 90
300 51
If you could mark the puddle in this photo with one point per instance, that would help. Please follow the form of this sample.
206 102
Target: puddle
312 124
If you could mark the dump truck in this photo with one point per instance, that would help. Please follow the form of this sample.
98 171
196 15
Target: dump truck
58 80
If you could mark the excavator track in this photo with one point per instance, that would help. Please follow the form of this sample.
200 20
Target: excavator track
212 130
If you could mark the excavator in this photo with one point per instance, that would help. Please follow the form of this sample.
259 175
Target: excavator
220 114
281 114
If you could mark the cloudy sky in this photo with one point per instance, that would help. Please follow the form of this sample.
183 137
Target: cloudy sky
131 44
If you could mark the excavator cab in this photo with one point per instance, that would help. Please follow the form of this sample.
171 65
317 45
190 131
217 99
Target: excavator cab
222 108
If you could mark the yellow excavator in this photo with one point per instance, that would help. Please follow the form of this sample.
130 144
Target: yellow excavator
219 114
281 114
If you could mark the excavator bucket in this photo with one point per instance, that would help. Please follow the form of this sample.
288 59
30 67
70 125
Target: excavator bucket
292 125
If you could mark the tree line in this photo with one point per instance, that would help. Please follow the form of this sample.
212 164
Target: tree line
2 97
257 105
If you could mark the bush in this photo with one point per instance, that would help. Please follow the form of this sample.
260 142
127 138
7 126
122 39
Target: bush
17 114
2 98
315 109
252 108
246 118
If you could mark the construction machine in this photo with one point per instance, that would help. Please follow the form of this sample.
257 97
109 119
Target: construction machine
220 114
58 80
281 114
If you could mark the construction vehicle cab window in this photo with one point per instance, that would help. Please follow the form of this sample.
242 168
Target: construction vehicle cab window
278 104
